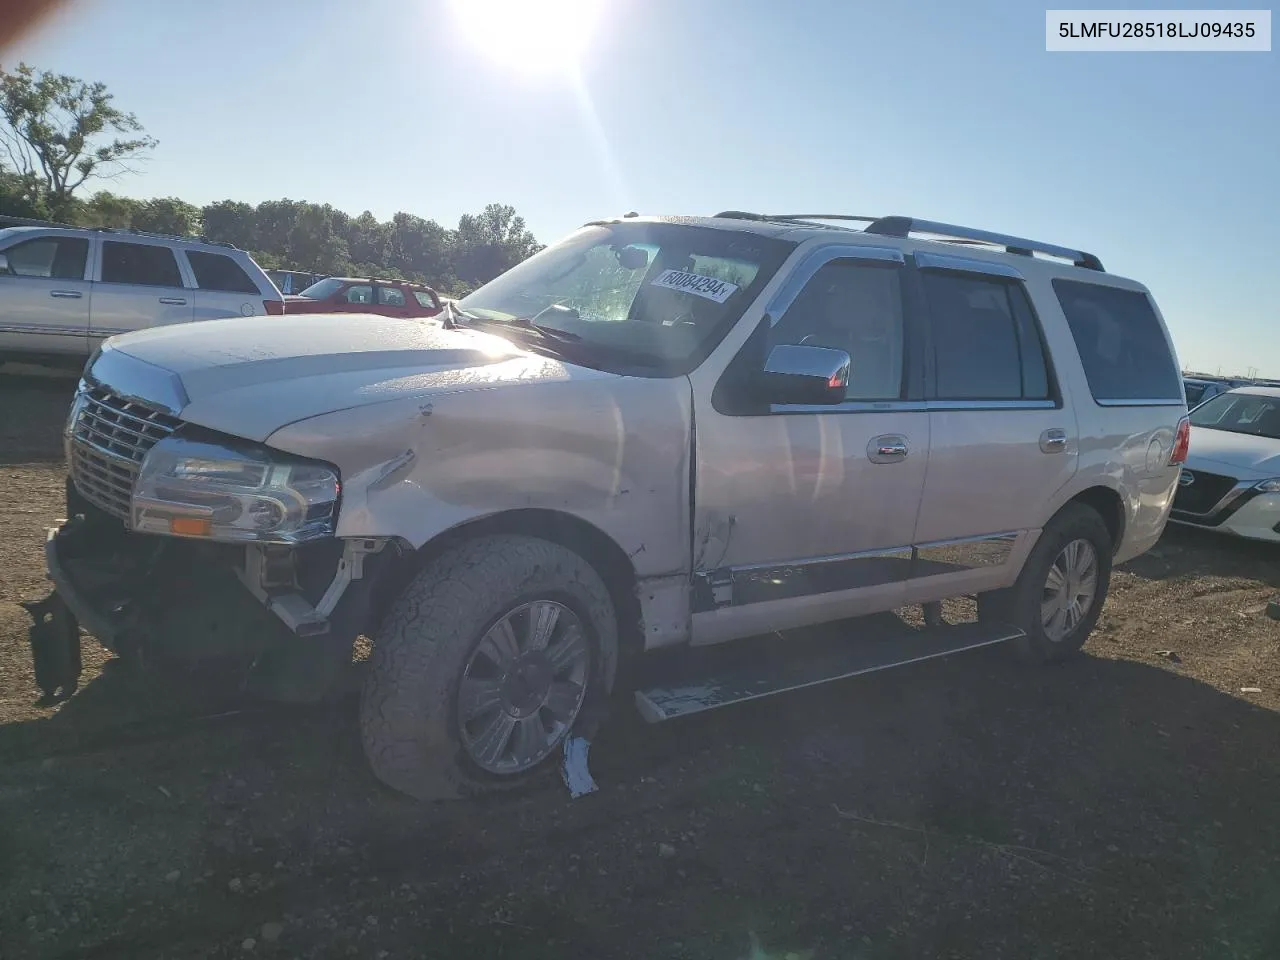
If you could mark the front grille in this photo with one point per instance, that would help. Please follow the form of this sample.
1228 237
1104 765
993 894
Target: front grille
109 438
1203 494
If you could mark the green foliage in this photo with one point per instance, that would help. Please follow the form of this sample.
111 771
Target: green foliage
59 131
54 135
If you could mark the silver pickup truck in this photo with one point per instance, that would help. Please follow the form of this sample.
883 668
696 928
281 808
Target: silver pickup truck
661 434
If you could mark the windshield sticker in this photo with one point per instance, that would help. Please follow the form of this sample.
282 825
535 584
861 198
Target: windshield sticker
699 286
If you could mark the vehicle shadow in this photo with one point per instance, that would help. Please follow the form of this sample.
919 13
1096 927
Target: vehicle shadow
1190 552
970 807
33 407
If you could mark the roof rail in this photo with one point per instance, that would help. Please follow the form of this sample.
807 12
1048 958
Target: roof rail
789 217
905 226
165 236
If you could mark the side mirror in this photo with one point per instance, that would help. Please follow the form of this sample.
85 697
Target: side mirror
802 374
4 263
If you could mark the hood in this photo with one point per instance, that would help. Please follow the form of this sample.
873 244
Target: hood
249 377
1250 457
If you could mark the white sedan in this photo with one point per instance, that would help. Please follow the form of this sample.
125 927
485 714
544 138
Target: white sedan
1231 480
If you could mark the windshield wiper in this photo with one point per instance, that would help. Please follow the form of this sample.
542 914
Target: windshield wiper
555 333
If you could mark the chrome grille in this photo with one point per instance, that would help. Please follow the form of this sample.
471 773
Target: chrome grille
109 438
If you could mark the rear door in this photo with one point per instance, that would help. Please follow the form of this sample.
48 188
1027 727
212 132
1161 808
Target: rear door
44 296
390 301
1002 442
223 288
139 284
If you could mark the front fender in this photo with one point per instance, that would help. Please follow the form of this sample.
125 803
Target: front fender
613 452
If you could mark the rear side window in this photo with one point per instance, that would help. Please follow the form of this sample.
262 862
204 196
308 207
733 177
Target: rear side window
216 271
1121 342
1194 392
139 263
986 343
390 297
57 258
425 300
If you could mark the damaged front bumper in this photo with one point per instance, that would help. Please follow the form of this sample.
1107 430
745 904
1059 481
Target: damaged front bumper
286 616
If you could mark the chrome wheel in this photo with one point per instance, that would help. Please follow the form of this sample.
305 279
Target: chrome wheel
1069 589
523 687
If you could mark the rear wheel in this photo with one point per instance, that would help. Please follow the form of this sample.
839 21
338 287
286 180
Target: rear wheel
490 658
1059 595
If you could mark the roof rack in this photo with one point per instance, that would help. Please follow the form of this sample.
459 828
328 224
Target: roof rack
165 236
896 226
905 226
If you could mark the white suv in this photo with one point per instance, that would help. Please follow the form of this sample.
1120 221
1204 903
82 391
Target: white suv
658 434
63 290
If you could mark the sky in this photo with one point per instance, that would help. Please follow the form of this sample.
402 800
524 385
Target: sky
1166 165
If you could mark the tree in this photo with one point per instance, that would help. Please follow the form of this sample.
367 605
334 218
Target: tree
168 215
53 134
490 243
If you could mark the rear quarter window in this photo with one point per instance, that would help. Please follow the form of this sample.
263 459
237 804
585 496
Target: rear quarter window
216 271
1122 344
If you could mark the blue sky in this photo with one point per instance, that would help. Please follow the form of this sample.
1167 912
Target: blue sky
1165 165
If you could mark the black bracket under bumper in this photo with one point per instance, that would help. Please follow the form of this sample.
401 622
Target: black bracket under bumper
55 647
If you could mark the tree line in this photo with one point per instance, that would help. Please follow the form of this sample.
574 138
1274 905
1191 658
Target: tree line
58 133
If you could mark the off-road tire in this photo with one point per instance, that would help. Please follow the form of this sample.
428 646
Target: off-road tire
408 706
1019 605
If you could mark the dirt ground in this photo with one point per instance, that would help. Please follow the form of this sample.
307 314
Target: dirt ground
1124 805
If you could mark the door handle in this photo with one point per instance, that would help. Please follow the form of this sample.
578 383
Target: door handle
1053 441
67 294
174 301
890 448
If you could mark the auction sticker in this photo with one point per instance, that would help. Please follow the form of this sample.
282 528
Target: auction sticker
698 285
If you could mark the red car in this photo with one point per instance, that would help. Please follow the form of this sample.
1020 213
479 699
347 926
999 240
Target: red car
389 298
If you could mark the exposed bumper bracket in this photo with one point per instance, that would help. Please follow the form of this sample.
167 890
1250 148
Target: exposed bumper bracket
294 610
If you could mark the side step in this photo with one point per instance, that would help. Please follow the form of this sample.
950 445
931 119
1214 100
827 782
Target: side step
711 677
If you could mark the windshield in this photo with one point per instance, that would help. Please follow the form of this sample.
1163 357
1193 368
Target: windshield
654 296
322 289
1249 413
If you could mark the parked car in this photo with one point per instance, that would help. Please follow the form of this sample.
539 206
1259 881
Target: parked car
387 298
1198 391
657 435
292 281
62 291
1231 480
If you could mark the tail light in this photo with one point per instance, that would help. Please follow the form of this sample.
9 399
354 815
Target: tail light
274 308
1181 443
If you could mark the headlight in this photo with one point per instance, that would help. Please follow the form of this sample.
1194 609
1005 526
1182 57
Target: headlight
191 488
1269 486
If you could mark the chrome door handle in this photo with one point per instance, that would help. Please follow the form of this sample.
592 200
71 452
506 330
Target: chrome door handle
174 301
1053 441
887 449
68 294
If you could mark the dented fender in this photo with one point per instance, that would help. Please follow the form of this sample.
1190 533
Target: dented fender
612 451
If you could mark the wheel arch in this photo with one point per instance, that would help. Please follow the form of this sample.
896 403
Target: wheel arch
1105 502
591 543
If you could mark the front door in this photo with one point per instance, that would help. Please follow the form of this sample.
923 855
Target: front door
1002 443
807 513
139 285
45 296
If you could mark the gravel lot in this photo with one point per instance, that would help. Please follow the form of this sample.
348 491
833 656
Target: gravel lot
1124 805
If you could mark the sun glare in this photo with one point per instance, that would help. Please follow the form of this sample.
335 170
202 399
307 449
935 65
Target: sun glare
540 35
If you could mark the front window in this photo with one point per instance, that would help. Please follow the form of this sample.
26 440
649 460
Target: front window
322 289
1248 413
642 296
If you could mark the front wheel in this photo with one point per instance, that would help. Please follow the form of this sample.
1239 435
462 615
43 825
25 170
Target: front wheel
494 653
1058 597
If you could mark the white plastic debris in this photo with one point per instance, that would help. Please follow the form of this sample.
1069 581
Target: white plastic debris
574 768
